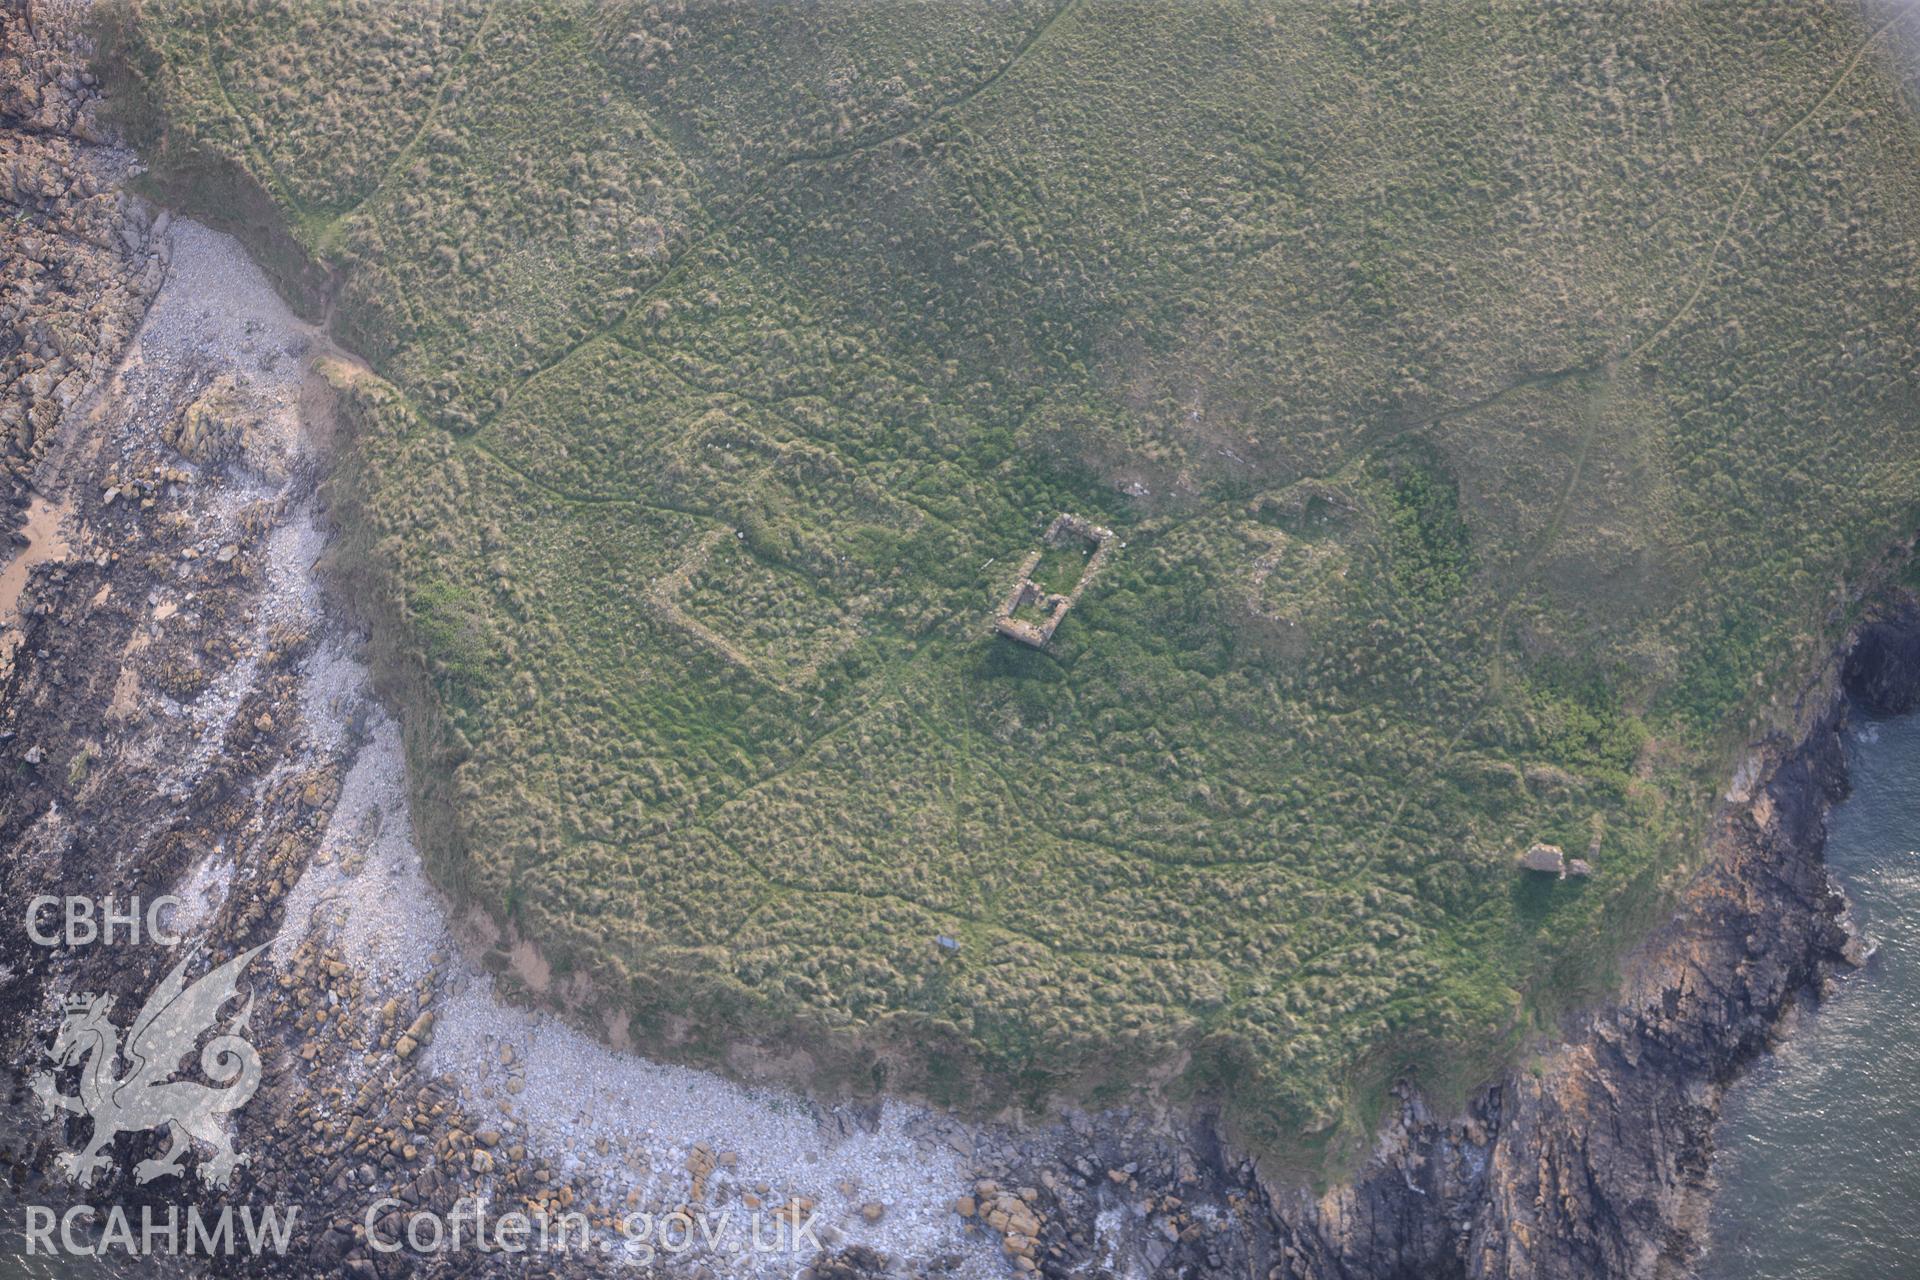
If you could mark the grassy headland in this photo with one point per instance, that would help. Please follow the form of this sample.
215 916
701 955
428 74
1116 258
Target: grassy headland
1496 408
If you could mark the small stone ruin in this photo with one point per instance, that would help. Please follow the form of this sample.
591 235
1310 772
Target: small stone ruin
1551 860
1064 529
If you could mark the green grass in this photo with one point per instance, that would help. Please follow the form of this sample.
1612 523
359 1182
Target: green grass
1060 568
1517 394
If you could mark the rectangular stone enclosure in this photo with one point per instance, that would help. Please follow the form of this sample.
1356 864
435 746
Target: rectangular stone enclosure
1051 606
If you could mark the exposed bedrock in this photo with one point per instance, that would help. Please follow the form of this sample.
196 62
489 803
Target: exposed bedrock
1880 671
79 258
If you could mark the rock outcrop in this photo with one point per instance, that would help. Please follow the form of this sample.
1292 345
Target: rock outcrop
79 258
1880 667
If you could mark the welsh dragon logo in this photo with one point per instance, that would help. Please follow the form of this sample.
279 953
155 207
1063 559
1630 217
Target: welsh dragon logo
146 1097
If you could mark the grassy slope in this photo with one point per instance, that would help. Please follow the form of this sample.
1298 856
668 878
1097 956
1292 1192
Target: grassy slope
1515 393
